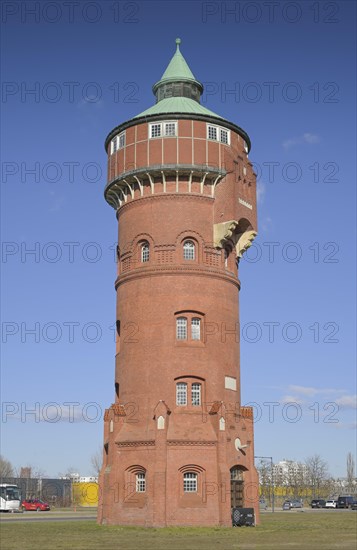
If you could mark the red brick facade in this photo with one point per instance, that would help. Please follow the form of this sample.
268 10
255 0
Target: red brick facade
170 437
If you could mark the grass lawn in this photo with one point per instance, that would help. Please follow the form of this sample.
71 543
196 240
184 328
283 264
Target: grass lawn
282 530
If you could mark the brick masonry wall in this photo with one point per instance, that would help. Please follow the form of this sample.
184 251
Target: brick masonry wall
150 360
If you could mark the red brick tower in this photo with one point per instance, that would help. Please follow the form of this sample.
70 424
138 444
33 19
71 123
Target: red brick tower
178 445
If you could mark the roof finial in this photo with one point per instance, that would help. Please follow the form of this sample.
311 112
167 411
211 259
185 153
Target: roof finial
178 42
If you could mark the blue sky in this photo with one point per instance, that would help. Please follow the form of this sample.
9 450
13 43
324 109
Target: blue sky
90 67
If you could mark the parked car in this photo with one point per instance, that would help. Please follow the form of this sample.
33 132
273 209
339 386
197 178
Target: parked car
296 503
318 503
331 503
34 504
354 505
287 505
344 501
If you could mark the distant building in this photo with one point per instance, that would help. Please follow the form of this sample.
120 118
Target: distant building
288 469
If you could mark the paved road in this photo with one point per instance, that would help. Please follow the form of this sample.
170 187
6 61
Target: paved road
46 516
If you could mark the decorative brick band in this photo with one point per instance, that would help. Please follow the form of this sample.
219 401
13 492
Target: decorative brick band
149 443
185 443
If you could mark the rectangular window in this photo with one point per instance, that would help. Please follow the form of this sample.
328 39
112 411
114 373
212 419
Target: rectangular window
212 132
217 133
114 145
224 136
196 328
140 483
145 252
170 129
190 482
196 394
121 140
155 130
181 328
181 393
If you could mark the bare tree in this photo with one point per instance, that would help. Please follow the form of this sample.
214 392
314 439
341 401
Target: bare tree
264 472
96 461
6 468
350 472
317 474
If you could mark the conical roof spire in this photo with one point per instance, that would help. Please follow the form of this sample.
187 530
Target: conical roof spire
178 68
178 79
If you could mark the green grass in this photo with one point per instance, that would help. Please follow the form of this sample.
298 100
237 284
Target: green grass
282 530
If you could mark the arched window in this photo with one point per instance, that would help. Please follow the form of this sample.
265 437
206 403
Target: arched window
196 328
196 394
188 250
181 328
145 252
140 485
190 482
181 393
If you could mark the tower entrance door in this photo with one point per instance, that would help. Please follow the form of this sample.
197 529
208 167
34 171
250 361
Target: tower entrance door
237 487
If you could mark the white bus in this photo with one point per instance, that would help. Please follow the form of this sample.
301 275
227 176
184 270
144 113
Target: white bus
10 498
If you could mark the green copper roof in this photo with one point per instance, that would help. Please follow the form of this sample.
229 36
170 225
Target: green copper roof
178 105
178 68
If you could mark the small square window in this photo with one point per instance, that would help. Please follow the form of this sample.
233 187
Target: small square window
212 132
155 130
170 128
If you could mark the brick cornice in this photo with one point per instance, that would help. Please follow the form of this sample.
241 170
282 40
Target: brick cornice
147 443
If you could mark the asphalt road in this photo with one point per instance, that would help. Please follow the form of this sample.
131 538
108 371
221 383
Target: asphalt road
47 516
